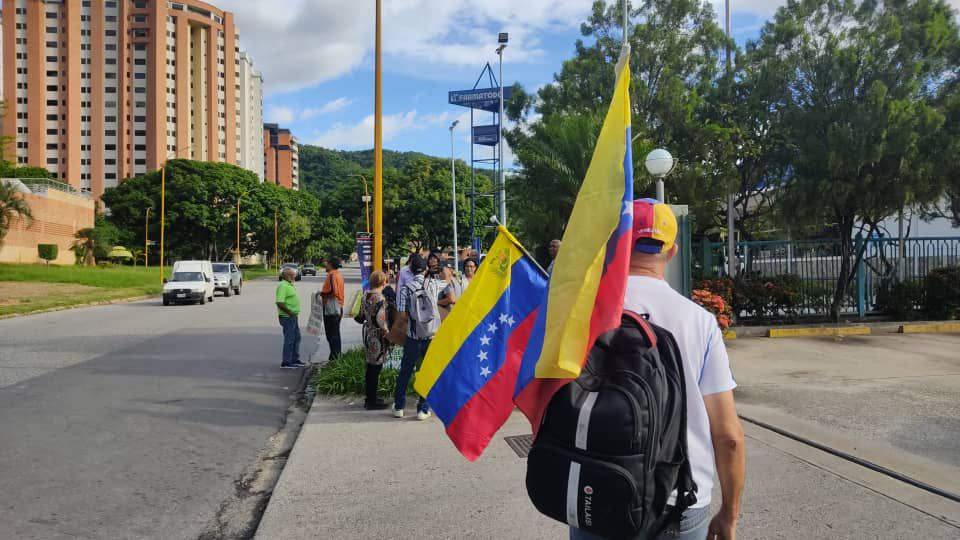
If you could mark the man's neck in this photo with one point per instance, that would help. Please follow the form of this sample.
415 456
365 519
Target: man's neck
644 271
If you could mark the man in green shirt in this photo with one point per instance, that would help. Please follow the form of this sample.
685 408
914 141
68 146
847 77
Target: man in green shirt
288 306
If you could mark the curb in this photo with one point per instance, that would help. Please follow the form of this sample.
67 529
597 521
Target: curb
729 335
88 304
821 331
933 328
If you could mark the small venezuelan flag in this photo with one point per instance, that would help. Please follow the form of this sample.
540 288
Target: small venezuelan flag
469 375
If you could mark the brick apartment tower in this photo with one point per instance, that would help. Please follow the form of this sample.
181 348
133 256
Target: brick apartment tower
281 157
101 90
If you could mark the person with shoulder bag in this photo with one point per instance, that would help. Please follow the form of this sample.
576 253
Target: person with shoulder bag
333 298
420 316
375 328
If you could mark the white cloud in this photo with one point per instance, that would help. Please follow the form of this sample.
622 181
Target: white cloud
278 114
327 108
360 135
300 43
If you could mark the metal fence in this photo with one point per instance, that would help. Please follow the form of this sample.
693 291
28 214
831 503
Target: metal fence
817 264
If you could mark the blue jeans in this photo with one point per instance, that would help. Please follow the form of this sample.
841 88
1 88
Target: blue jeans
693 526
291 340
413 351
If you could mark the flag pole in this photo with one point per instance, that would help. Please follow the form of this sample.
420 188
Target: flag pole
502 228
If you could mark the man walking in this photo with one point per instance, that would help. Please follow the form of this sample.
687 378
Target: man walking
418 338
552 249
288 307
714 434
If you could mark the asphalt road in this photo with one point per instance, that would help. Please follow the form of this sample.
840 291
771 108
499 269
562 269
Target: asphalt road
136 420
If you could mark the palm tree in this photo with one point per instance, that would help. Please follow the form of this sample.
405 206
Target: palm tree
12 206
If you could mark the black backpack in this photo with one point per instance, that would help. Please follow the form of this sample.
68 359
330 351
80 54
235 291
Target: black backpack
613 443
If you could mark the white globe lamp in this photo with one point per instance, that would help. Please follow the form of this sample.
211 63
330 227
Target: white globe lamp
659 163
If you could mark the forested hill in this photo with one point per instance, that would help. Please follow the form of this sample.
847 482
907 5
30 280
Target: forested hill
322 169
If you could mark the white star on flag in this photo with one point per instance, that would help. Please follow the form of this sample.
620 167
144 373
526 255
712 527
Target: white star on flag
627 208
485 371
492 328
483 356
485 340
503 317
511 321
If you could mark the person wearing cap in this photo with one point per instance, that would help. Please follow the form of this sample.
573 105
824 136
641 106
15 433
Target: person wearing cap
714 435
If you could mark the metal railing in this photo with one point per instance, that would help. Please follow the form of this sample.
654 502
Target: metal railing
817 263
41 185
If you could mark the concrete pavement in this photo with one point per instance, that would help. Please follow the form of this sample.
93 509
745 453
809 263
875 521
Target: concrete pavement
137 420
360 474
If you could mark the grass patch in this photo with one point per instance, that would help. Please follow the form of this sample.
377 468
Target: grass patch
346 376
256 271
30 288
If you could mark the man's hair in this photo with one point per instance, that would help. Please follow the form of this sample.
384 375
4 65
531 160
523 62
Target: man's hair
417 264
335 263
377 279
288 271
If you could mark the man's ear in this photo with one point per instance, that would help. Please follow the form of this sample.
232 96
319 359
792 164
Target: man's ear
673 252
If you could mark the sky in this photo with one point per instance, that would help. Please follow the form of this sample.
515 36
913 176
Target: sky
317 59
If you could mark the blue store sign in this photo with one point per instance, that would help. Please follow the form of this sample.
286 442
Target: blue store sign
487 99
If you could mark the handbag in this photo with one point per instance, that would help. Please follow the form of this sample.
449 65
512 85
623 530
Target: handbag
331 307
398 331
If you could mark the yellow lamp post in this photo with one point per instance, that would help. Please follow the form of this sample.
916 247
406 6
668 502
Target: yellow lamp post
366 198
378 154
146 238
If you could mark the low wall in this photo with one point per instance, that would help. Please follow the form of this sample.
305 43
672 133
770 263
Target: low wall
57 216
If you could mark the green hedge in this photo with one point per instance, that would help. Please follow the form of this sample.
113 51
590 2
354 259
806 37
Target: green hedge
346 376
943 293
901 300
48 252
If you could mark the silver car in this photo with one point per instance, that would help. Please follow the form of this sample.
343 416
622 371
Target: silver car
227 278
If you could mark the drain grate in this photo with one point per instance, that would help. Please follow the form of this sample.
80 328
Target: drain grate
521 444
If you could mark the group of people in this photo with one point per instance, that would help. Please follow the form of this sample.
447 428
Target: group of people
408 316
426 289
288 309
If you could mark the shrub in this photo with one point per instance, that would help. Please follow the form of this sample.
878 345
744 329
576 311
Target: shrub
48 252
901 299
721 286
346 376
716 305
767 297
943 293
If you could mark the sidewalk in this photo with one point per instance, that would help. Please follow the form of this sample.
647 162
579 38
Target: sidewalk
360 474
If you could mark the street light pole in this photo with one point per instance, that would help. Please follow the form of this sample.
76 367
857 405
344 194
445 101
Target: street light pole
378 153
731 201
365 198
146 238
163 212
453 176
503 185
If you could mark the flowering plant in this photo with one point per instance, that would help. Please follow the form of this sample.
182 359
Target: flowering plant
715 304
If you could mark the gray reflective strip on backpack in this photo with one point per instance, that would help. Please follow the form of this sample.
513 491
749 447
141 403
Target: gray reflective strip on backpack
573 489
573 478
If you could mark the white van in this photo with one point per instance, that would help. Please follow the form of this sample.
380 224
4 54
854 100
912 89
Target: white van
191 282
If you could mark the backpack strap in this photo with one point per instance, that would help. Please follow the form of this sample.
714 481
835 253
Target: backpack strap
644 326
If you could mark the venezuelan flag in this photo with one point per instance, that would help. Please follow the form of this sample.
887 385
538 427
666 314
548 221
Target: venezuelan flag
585 296
470 370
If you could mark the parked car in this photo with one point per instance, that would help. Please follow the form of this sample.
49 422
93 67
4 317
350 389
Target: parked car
191 282
295 266
227 278
309 270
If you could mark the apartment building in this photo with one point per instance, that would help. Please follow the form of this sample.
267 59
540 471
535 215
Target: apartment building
101 90
281 157
249 116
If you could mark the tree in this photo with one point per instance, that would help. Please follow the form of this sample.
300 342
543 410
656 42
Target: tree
857 82
48 252
12 206
674 63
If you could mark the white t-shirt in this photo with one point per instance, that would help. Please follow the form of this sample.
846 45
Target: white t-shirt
706 367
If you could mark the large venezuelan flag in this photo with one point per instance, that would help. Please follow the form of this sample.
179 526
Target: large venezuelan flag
585 297
471 368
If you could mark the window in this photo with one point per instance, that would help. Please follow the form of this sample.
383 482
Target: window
140 18
49 58
110 89
110 61
50 102
142 104
51 88
140 90
141 32
52 44
140 133
140 161
139 118
139 61
110 47
110 75
111 18
109 161
109 147
49 131
85 3
51 15
111 3
140 75
139 46
109 119
109 104
140 147
53 146
110 32
110 176
109 133
140 5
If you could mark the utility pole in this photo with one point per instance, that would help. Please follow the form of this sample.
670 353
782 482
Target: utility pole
731 197
146 238
378 154
163 212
